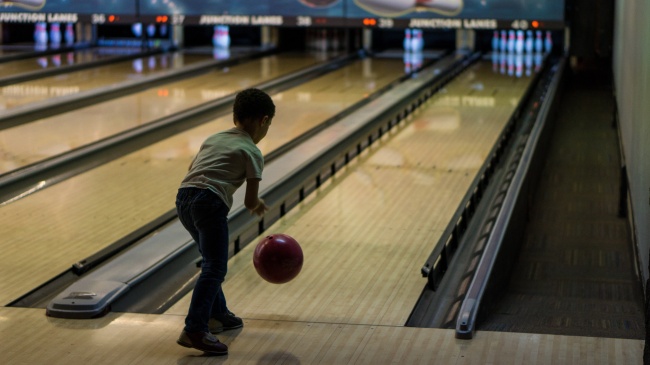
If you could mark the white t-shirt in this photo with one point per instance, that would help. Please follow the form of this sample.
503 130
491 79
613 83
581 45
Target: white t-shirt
224 162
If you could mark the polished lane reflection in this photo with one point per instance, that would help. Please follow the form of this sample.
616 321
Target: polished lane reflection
66 222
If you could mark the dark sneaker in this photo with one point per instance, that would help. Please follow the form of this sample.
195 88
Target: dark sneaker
224 322
203 341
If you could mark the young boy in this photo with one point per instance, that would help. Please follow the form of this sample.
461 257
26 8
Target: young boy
204 198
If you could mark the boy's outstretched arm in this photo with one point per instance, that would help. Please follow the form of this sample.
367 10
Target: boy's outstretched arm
251 200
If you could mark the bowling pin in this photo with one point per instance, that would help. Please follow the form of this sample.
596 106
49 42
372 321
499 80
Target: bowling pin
151 30
69 34
136 28
40 34
55 34
503 45
418 41
408 40
163 30
495 41
221 37
539 46
387 7
529 41
519 44
215 36
548 42
511 41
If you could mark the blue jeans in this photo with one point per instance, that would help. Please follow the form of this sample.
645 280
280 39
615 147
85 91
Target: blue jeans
205 216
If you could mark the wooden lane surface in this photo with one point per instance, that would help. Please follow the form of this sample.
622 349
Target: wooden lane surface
29 337
55 227
64 132
52 61
367 231
24 93
10 51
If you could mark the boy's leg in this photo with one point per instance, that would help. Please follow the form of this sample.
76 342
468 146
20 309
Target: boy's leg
210 220
205 218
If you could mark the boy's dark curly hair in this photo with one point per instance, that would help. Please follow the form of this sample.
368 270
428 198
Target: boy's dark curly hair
252 104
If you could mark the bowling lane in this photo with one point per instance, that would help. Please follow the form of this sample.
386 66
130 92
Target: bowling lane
64 132
365 232
6 50
57 226
24 93
29 337
60 59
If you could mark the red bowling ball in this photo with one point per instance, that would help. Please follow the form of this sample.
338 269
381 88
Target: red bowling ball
278 258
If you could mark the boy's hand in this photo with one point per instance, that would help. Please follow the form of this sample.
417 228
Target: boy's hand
260 209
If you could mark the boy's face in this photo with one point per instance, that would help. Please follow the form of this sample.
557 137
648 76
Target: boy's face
264 125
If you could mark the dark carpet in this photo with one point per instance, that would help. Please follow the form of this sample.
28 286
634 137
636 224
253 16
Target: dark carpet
576 273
